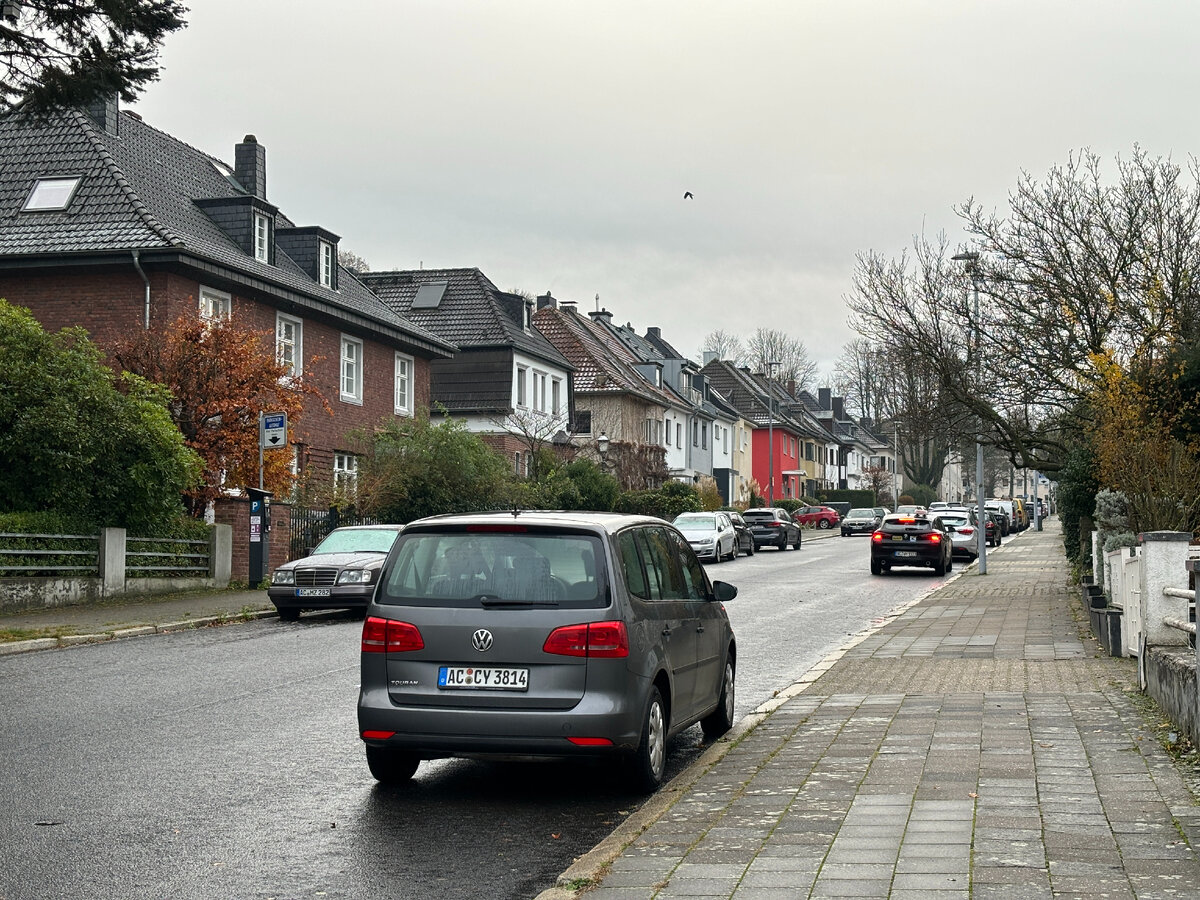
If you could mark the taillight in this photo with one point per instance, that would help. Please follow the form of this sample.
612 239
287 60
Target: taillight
935 538
877 537
966 529
592 639
390 636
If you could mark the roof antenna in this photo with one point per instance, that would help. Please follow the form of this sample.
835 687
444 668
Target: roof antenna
597 303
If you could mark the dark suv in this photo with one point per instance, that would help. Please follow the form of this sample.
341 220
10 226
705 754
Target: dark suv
911 540
542 634
773 527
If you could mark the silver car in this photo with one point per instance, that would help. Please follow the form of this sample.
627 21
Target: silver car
340 572
543 634
711 534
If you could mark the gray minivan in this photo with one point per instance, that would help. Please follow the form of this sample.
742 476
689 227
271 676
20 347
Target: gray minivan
542 634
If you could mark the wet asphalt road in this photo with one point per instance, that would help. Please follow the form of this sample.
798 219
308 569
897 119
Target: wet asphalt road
225 762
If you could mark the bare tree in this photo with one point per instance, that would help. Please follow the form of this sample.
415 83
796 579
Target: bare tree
350 260
862 376
768 346
59 54
727 346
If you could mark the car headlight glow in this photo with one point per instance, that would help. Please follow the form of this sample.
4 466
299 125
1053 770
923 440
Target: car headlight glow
355 576
283 576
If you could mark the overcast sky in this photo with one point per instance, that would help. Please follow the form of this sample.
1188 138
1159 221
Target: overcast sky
549 142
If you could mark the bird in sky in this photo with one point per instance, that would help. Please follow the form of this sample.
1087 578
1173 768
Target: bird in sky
687 195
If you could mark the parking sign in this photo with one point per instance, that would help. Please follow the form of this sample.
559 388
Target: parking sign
274 431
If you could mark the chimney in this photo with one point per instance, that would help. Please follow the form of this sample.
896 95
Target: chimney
710 356
601 315
839 409
568 306
250 166
547 299
103 111
654 332
824 396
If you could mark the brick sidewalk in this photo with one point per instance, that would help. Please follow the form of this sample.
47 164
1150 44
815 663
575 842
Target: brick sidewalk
978 745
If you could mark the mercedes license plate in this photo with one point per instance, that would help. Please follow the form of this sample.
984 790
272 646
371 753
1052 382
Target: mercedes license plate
483 678
312 592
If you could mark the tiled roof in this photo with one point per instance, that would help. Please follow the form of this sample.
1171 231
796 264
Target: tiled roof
138 192
472 311
602 364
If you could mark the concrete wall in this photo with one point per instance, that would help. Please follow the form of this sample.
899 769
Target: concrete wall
18 594
1171 681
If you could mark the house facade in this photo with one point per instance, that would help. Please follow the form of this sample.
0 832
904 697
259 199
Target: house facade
115 226
506 381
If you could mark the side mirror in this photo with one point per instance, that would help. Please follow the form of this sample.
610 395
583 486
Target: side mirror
723 591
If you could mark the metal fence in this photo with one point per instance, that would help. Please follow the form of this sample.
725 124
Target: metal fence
32 555
74 555
166 558
309 526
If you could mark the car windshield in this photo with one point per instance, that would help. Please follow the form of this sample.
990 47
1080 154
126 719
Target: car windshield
696 522
861 514
501 568
358 540
764 515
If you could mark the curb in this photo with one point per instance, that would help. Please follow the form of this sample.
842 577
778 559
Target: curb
12 648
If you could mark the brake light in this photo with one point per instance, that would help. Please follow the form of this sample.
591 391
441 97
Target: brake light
966 529
389 636
592 639
877 536
497 529
935 538
907 521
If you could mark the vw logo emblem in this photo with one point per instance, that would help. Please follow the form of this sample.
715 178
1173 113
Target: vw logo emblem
482 639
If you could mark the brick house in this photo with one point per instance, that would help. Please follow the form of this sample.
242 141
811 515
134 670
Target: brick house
112 225
507 382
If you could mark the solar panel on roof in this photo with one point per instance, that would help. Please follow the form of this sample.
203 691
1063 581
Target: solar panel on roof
429 296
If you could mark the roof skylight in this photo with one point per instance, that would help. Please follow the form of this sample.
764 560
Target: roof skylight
51 193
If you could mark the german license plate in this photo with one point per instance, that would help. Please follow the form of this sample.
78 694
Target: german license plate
483 678
906 552
312 592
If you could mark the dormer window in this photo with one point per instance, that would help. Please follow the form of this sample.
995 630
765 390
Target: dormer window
51 193
326 264
262 236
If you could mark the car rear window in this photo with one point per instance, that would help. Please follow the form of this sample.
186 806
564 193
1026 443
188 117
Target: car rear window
516 567
759 516
906 525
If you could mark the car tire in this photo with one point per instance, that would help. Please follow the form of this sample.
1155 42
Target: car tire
650 759
799 540
782 544
288 613
720 720
876 567
750 549
950 565
824 523
390 766
940 568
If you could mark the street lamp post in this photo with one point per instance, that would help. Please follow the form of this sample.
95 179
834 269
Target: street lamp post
770 435
972 260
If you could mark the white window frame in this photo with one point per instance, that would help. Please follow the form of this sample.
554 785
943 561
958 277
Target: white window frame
351 370
522 374
49 194
290 351
262 238
326 264
556 396
404 385
345 471
215 304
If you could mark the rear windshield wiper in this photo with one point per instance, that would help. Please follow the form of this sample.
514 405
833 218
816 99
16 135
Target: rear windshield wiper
491 601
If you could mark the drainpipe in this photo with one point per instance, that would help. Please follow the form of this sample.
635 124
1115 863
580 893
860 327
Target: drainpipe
137 265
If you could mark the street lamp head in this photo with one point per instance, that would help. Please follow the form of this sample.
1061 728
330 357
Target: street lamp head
602 444
969 256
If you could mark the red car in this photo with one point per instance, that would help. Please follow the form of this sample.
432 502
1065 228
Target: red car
818 516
